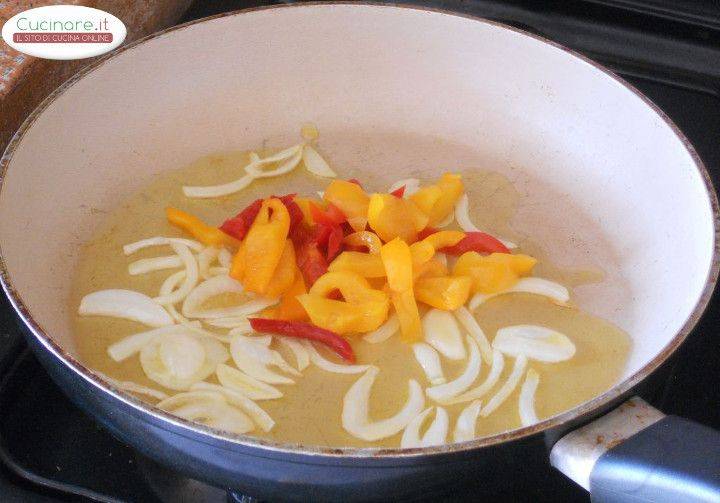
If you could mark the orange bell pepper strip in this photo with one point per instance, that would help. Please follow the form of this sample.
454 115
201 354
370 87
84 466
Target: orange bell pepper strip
421 252
237 267
264 245
304 205
289 308
206 234
284 275
366 239
364 264
443 292
352 201
391 217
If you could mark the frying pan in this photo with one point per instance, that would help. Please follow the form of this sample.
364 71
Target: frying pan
607 180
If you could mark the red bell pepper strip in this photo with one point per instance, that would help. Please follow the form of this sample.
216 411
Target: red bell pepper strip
239 225
477 242
304 330
399 192
335 242
308 256
426 232
329 216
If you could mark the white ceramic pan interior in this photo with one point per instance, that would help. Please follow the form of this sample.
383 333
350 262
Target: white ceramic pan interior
606 181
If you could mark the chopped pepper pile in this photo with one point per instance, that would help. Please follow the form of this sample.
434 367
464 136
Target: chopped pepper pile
341 264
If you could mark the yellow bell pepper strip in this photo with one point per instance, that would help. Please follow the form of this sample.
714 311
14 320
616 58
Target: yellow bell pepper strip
343 317
264 245
397 259
430 269
421 252
451 188
493 273
391 217
365 239
284 275
364 264
352 201
426 197
442 239
443 292
408 315
289 307
237 267
206 234
353 287
304 205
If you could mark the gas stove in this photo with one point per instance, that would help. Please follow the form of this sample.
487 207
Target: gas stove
50 451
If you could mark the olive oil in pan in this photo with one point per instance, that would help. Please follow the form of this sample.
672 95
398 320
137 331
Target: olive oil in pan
309 412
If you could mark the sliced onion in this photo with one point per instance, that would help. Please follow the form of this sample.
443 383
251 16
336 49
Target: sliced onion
302 356
258 415
196 328
213 287
182 354
507 388
241 323
465 425
133 387
534 342
170 283
218 271
132 344
126 304
385 331
210 408
411 185
225 258
442 258
411 435
191 276
462 215
253 358
444 392
315 164
131 248
249 386
537 286
291 157
157 370
429 360
329 366
205 258
146 265
434 435
498 364
468 321
220 190
356 404
527 398
265 340
442 332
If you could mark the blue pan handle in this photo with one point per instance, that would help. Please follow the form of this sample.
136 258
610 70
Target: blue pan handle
636 454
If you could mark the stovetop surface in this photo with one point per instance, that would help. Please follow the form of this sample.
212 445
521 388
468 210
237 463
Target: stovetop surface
51 452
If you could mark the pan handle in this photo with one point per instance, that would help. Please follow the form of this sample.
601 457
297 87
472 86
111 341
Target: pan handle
638 454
